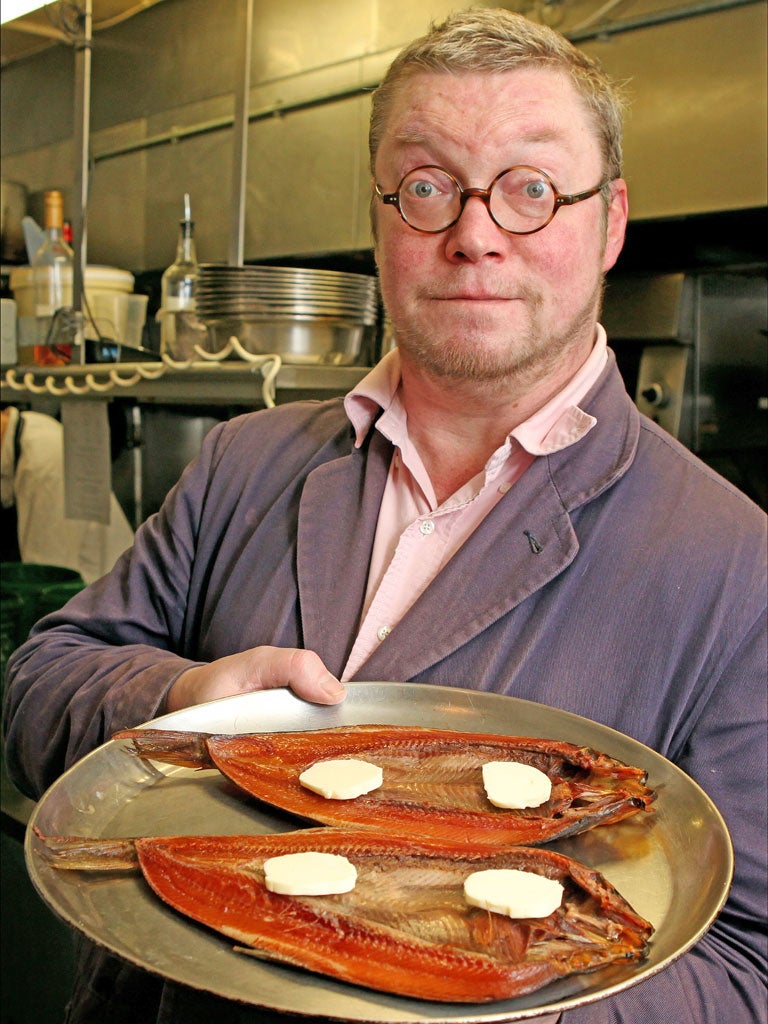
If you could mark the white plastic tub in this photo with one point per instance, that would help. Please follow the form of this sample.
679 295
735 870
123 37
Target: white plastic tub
99 282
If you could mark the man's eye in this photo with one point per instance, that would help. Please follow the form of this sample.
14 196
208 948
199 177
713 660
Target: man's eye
535 190
422 189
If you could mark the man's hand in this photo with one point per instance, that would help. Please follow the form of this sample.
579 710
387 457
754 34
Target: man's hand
261 668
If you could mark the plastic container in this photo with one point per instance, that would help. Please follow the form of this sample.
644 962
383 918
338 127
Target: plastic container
135 318
98 280
120 317
40 588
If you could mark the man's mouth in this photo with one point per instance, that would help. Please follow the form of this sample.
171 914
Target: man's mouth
471 295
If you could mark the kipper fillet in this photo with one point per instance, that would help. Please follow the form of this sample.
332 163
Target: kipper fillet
432 779
405 928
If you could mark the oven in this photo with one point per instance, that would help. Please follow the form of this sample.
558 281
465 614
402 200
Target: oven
693 351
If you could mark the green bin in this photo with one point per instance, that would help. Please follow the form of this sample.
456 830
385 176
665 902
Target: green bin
11 615
38 590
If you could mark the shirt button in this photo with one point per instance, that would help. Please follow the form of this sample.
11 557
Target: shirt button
383 632
503 488
427 527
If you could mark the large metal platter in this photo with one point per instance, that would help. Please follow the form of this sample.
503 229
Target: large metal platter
674 865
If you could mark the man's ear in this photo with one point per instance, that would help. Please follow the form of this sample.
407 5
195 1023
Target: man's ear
616 227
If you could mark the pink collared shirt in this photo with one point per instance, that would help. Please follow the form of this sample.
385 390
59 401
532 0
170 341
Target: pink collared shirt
416 536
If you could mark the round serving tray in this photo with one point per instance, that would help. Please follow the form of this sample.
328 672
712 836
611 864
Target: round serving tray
673 865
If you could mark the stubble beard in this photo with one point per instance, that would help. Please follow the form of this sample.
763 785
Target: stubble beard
462 352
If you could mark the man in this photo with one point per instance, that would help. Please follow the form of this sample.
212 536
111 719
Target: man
37 529
502 516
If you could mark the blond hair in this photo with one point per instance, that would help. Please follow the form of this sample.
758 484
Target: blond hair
493 41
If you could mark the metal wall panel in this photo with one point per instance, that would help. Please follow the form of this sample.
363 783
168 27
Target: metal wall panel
175 55
695 142
697 128
308 180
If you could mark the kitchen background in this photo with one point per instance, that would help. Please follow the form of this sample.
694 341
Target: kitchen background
165 82
168 117
685 307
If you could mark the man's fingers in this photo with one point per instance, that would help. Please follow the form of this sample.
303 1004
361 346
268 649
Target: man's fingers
262 668
302 671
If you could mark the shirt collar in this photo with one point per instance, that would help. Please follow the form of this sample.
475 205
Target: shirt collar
555 426
375 393
561 422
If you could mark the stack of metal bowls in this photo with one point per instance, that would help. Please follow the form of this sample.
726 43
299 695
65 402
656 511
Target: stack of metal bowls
302 315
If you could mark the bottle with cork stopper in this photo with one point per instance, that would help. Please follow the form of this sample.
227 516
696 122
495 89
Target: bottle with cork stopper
52 279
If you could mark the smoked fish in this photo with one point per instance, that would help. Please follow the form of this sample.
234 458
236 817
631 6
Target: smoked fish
432 779
405 928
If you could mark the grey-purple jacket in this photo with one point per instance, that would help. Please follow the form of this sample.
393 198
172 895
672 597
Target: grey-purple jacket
619 579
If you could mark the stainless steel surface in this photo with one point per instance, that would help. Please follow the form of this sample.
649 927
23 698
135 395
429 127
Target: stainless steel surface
28 33
303 315
226 383
649 307
330 342
163 115
674 865
284 292
703 373
661 384
170 439
242 91
731 393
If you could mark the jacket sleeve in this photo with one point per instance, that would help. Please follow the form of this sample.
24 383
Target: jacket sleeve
722 977
107 659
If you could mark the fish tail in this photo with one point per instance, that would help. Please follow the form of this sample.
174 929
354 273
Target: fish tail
78 853
186 749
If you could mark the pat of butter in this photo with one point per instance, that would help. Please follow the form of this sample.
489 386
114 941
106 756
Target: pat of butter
342 779
309 874
513 892
515 786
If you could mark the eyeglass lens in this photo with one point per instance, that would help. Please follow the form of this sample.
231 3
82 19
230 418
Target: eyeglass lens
521 200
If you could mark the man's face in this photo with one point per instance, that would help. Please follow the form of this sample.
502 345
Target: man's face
475 301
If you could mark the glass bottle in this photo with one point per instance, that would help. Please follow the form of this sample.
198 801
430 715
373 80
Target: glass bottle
180 328
52 279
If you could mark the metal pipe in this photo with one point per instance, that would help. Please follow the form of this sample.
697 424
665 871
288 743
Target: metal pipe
240 141
656 18
83 44
223 123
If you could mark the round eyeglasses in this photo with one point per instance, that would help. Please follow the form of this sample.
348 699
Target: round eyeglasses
520 200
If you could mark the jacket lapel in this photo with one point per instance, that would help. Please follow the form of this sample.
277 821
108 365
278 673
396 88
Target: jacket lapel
524 542
337 522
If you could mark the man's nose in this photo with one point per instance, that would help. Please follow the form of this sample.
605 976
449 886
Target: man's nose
475 234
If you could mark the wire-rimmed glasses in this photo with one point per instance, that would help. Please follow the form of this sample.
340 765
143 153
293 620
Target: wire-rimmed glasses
520 199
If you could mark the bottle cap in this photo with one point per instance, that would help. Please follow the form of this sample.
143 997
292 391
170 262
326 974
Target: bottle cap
54 209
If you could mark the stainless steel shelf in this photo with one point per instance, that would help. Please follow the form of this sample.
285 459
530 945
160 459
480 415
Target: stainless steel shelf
224 383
